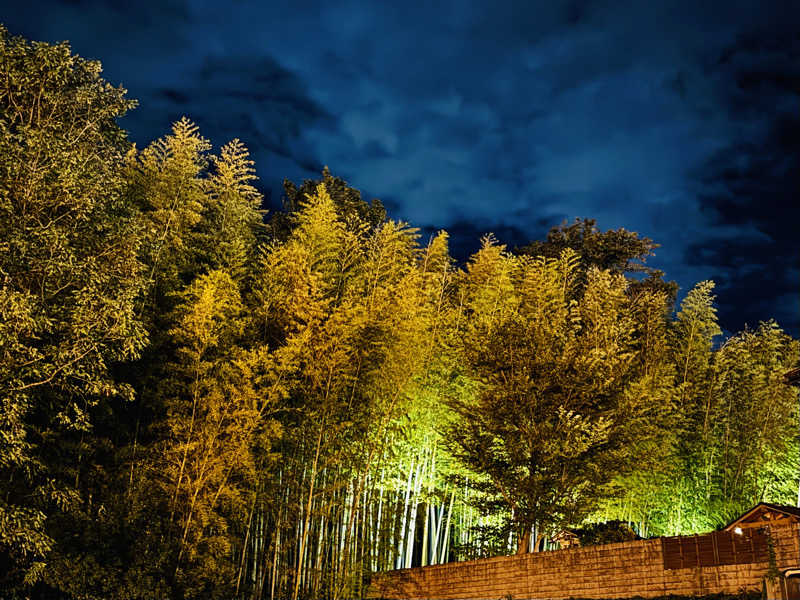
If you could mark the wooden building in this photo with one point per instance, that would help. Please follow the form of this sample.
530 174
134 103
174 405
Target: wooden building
763 514
566 538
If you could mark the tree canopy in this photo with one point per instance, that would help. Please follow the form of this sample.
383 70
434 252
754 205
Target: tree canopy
564 405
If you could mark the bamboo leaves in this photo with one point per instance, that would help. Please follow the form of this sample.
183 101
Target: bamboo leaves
551 424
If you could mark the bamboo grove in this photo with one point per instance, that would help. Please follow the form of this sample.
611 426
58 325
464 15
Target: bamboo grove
202 400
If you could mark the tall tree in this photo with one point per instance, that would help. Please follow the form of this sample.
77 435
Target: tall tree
348 302
617 250
692 337
643 493
216 409
167 179
202 218
562 407
755 421
350 205
232 224
69 278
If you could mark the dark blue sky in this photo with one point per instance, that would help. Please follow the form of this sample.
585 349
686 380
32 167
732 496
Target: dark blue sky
676 119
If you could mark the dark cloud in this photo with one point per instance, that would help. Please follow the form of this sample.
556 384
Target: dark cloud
676 119
253 98
175 96
752 184
178 62
465 236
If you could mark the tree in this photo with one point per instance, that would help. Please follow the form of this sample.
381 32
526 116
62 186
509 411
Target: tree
69 279
618 250
644 491
200 216
754 421
232 224
611 532
562 407
216 409
167 180
349 305
351 207
691 345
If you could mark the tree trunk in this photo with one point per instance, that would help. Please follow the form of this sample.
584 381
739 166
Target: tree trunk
524 541
446 539
306 523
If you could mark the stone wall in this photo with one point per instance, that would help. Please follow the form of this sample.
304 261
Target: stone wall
610 571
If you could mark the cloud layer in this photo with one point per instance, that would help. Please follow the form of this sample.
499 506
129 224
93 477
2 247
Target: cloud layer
675 119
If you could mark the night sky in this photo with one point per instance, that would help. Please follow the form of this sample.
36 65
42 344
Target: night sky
676 119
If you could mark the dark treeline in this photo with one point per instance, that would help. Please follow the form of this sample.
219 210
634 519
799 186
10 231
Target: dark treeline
202 400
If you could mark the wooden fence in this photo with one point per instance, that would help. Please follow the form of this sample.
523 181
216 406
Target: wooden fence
717 548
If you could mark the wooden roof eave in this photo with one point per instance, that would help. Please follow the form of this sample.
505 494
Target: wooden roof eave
761 506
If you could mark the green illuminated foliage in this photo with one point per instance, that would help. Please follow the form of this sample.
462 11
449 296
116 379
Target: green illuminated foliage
564 406
733 428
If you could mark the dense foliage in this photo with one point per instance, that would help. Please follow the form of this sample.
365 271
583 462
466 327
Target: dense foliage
198 400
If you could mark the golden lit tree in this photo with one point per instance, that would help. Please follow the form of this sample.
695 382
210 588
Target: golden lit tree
562 408
217 409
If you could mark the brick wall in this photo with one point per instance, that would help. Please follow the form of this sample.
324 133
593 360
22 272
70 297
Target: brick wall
610 571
